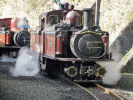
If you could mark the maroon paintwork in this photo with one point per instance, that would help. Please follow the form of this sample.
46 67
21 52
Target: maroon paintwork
7 20
50 45
47 45
5 39
59 45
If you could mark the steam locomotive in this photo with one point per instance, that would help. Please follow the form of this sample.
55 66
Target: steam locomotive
13 35
68 43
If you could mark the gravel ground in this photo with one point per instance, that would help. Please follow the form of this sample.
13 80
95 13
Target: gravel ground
44 88
38 88
124 88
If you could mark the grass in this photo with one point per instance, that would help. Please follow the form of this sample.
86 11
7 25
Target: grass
113 26
122 13
130 15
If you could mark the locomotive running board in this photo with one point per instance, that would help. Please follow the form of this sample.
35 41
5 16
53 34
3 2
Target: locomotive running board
75 59
88 81
9 47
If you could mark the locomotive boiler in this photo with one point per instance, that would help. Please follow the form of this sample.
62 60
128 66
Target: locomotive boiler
13 35
69 43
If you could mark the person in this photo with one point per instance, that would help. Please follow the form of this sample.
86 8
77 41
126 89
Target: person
23 24
65 5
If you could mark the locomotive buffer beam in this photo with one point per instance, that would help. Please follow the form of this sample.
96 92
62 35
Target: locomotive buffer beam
88 81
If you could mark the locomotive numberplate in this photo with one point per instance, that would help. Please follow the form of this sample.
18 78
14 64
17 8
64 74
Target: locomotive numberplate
93 45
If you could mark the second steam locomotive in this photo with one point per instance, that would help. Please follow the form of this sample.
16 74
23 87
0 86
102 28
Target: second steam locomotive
13 35
69 43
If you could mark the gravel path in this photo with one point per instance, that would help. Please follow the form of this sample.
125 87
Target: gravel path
124 88
38 88
45 88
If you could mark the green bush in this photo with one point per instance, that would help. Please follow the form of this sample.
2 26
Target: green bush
130 15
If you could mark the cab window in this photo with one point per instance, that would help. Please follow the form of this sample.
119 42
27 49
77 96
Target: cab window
53 19
42 23
3 24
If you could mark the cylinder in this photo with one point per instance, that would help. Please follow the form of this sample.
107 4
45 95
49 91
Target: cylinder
8 38
101 72
71 71
59 44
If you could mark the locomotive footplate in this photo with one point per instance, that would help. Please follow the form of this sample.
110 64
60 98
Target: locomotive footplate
9 47
76 59
88 81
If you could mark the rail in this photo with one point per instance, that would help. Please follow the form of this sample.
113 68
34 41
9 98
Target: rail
109 92
105 90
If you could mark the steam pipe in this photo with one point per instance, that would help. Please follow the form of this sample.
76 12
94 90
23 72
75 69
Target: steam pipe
87 15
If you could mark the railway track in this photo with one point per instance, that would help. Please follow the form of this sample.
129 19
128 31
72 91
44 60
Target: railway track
97 92
107 91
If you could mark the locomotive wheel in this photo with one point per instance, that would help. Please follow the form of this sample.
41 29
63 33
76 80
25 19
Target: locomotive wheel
52 69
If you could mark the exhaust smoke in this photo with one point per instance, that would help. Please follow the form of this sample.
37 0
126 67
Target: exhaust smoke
26 64
113 74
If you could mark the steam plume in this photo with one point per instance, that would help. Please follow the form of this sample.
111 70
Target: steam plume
26 64
113 74
6 11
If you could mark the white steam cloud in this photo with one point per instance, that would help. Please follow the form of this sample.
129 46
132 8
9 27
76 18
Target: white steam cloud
6 11
26 64
113 74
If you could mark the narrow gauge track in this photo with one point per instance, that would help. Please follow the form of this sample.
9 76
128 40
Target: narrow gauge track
98 92
108 92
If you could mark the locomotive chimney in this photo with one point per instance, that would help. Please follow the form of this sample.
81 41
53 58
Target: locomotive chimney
97 13
87 18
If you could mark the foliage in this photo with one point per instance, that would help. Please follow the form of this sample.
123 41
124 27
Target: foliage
130 15
113 26
122 13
